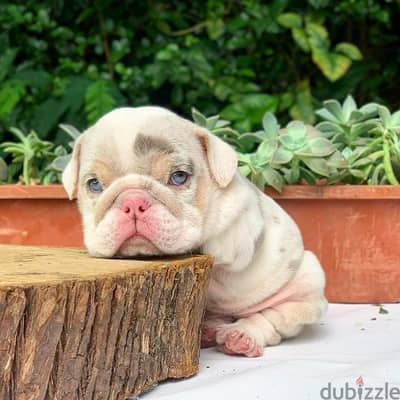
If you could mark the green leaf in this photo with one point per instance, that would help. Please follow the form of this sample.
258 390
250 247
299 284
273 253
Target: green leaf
349 106
321 147
60 162
98 100
318 36
244 170
282 156
249 110
329 128
300 37
212 122
267 148
6 62
349 50
357 173
289 20
273 178
71 130
332 65
270 124
317 165
199 118
362 162
303 108
3 170
34 78
384 115
10 95
361 128
336 160
297 130
333 106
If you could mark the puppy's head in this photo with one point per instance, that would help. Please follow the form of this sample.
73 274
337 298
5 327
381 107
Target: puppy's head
144 178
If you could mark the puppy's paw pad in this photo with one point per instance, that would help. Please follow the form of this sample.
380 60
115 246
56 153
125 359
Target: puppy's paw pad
238 342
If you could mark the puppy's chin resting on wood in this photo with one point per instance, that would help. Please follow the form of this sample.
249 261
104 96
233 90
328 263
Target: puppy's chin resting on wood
149 182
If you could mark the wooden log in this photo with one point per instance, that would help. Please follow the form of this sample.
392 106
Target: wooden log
75 327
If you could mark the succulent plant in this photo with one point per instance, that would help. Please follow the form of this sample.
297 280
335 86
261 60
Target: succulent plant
29 151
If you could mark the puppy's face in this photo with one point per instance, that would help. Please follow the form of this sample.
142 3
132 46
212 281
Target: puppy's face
144 178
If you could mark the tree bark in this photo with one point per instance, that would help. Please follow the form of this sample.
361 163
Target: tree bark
80 328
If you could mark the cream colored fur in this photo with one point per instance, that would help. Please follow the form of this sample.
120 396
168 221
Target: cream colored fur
264 286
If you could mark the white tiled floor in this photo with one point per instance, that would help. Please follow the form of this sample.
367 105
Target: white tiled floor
351 341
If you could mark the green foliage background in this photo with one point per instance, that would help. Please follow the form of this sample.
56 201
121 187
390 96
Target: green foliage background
72 61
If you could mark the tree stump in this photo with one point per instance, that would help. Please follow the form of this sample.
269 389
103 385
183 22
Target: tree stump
75 327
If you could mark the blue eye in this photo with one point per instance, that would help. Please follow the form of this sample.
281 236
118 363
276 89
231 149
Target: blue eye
94 185
178 178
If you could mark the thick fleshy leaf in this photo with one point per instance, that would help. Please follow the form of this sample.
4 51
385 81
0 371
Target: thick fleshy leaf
270 124
267 148
290 143
384 115
297 130
358 173
328 128
212 122
60 162
282 156
317 165
395 120
71 130
321 147
336 160
273 178
326 115
349 105
333 106
199 118
362 162
369 110
244 170
361 128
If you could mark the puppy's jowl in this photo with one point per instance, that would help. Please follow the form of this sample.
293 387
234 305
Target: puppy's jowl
149 183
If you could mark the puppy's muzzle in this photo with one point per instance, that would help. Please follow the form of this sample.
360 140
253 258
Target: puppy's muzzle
134 194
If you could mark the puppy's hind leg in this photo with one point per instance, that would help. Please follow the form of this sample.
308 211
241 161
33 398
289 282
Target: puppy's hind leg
281 316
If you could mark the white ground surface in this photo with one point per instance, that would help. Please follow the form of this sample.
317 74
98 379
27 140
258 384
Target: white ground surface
351 341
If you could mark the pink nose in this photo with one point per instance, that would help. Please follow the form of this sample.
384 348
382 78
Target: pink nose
134 202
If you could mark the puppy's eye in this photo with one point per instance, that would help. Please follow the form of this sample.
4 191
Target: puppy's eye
178 178
94 185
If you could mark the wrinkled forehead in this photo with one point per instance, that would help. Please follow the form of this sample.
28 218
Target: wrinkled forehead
126 140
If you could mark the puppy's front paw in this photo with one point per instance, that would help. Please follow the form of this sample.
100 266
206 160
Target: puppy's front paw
209 330
238 339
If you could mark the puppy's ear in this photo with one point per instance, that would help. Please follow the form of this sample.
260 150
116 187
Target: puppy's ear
71 171
222 159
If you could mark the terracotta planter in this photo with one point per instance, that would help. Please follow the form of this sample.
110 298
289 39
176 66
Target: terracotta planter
38 215
355 231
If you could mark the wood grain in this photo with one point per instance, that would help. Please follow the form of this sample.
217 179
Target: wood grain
75 327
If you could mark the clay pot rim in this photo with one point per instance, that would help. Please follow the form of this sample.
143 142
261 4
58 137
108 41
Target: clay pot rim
336 192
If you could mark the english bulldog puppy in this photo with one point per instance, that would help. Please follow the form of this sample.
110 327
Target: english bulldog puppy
149 182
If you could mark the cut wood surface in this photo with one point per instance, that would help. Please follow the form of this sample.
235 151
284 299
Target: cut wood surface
76 327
